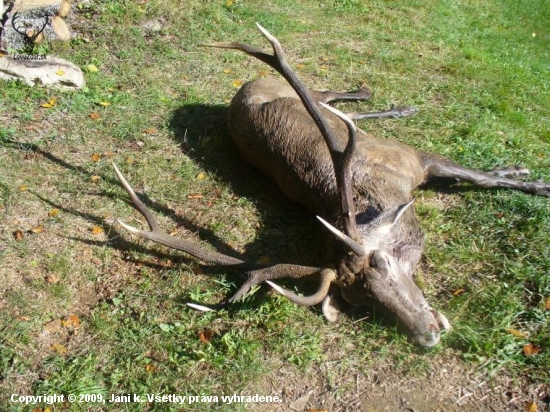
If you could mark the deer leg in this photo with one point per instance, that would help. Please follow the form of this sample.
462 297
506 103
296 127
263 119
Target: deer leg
328 96
395 112
363 94
439 167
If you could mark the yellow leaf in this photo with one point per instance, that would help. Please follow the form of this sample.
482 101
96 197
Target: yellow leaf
517 333
38 229
59 348
151 130
229 3
532 407
22 188
130 160
60 72
51 103
92 68
97 230
105 104
201 176
237 83
150 368
53 213
300 66
95 157
458 292
94 116
547 303
227 71
95 179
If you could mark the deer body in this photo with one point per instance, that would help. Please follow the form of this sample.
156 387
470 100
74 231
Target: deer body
360 183
273 131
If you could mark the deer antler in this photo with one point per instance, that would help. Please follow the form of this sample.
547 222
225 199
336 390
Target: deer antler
256 274
341 161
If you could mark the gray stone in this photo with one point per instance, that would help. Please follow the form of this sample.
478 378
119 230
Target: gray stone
42 70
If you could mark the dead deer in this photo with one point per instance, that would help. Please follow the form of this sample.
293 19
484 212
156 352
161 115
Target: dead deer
359 183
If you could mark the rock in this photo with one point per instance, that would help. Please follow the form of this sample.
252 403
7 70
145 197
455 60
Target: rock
35 16
45 70
60 28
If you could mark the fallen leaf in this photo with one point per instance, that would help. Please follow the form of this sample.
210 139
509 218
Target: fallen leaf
71 321
300 66
95 157
105 104
95 179
18 235
458 292
92 68
23 318
60 72
237 83
22 188
52 326
547 303
201 176
229 3
205 336
150 368
59 348
195 196
532 407
51 103
97 230
517 333
530 349
38 229
130 160
263 73
108 153
227 71
52 279
94 116
53 213
151 130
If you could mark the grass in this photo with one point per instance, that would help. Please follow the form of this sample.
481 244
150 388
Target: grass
478 74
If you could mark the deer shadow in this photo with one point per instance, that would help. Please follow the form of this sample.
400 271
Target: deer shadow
288 233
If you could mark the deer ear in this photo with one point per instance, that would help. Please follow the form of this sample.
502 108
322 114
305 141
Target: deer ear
376 230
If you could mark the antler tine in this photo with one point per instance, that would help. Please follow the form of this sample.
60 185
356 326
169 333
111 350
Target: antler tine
343 177
157 235
327 277
256 274
14 18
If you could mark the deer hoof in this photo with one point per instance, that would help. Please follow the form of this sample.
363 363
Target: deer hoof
510 172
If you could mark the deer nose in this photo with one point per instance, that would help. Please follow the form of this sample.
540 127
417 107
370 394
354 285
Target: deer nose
430 338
